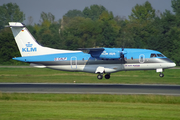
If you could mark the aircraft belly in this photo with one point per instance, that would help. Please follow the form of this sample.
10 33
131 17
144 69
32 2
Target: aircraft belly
82 66
147 66
110 68
88 68
67 67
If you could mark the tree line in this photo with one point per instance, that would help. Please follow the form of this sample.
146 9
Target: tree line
95 26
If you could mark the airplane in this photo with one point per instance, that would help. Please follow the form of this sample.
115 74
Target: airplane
93 60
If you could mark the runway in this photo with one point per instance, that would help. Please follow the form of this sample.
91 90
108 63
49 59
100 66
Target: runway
89 88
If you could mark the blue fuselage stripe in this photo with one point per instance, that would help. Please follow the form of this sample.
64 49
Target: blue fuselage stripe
130 55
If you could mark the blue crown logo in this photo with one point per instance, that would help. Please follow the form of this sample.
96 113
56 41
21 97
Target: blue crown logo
29 45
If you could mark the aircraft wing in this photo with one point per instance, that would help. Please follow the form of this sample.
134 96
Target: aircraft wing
95 52
103 53
87 50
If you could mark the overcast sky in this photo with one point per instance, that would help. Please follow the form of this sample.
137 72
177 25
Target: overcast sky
60 7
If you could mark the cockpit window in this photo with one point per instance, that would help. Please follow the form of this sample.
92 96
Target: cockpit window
153 55
160 55
156 55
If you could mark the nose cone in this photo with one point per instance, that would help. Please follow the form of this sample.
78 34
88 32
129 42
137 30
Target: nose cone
167 63
172 64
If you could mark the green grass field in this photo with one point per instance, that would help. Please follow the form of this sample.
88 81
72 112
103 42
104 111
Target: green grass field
37 75
17 106
88 107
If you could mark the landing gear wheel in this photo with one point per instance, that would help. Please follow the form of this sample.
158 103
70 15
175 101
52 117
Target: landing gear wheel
107 76
161 75
99 76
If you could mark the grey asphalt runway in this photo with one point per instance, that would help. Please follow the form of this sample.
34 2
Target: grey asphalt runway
89 88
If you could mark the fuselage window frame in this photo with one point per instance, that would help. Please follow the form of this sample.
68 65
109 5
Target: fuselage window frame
160 55
153 55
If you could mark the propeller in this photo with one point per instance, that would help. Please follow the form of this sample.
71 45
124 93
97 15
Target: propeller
122 54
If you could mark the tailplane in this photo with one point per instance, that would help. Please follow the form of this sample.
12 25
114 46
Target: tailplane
27 44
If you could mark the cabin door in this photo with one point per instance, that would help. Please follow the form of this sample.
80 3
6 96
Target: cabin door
142 58
74 62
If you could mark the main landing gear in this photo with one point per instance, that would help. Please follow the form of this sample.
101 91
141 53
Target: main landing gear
100 76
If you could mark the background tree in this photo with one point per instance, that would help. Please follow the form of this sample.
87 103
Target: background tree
142 13
47 18
8 47
110 29
10 12
176 6
140 19
94 11
74 13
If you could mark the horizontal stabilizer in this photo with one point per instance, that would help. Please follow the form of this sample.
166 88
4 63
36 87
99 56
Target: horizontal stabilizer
15 24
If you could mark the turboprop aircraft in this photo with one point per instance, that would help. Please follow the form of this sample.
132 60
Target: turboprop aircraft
93 60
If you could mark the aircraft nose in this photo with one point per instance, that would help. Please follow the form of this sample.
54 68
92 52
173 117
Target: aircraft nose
173 64
170 65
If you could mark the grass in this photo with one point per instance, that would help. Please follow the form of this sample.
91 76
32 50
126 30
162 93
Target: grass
37 75
157 99
88 107
19 106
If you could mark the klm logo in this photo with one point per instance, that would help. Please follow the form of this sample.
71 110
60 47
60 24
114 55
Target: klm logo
29 48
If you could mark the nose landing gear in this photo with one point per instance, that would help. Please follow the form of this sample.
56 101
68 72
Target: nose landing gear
160 70
161 75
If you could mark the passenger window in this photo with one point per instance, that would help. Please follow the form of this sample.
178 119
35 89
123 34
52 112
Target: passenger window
153 55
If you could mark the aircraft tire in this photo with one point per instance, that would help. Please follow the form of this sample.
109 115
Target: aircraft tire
99 76
161 75
107 76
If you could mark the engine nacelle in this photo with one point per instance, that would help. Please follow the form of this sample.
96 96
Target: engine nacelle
109 54
106 53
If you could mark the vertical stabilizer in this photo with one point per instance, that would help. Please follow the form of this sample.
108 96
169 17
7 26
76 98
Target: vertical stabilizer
27 44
